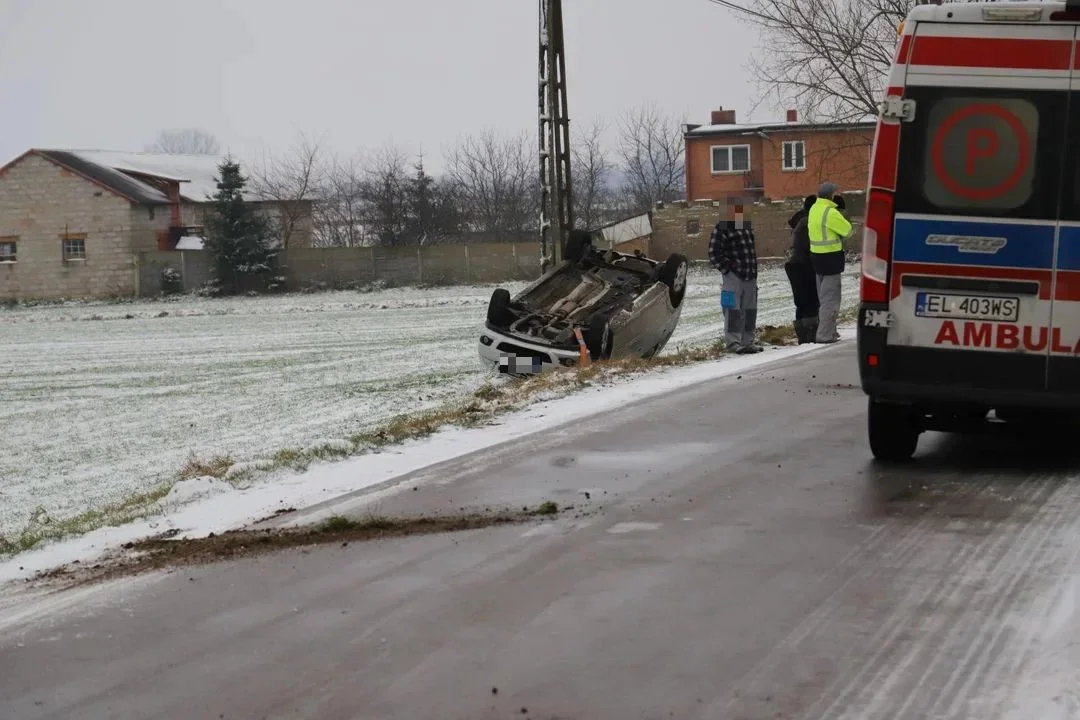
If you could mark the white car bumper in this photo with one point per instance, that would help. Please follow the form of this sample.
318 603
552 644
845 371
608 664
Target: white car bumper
516 356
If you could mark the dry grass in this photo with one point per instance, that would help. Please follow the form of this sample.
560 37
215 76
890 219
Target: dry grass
778 335
215 467
44 528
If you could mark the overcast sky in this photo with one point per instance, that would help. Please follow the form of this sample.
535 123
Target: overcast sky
109 74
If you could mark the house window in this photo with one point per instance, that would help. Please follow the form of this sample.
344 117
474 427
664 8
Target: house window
794 155
74 247
730 159
7 249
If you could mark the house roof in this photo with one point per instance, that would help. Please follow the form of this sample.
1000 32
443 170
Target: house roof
126 174
118 182
753 128
195 173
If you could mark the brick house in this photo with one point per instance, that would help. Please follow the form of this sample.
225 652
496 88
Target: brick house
73 223
774 160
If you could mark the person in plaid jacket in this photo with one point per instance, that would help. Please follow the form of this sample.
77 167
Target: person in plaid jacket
733 252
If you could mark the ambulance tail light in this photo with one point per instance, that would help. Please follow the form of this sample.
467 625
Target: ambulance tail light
877 247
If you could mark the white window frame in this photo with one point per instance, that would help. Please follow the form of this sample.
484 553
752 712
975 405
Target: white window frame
730 149
67 249
14 256
783 156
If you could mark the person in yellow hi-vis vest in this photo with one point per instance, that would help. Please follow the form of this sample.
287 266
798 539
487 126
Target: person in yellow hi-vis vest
828 228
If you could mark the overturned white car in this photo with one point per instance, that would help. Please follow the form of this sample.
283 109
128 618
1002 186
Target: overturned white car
613 304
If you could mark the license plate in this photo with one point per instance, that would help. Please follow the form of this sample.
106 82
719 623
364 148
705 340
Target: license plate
967 307
519 365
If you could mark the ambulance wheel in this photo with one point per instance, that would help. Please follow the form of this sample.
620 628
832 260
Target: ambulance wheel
892 430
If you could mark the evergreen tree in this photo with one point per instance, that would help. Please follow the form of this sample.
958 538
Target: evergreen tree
237 236
433 215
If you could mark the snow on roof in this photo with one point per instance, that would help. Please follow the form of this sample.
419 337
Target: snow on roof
190 242
627 230
197 173
747 128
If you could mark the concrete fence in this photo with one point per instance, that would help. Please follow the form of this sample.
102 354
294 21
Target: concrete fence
322 268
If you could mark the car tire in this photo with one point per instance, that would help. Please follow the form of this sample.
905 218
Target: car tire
673 273
598 338
578 245
499 313
893 432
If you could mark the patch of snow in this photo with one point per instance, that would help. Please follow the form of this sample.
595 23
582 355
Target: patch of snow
190 242
200 488
241 470
224 511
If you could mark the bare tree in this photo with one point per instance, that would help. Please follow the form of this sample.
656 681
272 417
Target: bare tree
289 181
591 168
496 181
652 149
186 141
386 196
828 58
340 211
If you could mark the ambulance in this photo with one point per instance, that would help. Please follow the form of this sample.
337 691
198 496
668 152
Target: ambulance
970 287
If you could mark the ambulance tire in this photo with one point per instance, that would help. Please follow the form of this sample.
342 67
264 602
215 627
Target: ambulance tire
892 430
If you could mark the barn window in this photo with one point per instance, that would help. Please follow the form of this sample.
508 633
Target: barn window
74 247
7 249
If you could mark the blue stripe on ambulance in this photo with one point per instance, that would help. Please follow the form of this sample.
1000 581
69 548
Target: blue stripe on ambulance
1069 248
1029 245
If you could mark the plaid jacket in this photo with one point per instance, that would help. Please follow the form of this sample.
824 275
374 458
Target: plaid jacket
733 249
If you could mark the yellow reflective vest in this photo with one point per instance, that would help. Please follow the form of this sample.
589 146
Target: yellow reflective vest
827 227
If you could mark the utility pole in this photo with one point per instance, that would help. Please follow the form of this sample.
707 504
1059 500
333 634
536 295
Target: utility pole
556 198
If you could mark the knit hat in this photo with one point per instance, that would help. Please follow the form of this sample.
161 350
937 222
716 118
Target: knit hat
827 189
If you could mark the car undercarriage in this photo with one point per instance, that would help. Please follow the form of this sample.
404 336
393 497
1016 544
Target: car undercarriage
575 295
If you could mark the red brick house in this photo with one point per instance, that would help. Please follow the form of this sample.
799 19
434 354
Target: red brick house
774 160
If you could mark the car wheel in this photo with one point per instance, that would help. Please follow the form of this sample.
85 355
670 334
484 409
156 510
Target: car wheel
499 313
598 338
578 245
893 432
673 274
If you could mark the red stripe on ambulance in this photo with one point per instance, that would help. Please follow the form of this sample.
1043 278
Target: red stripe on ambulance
1068 286
1000 336
903 50
984 52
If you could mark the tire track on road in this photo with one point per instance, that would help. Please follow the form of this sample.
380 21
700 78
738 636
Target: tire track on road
903 548
995 670
888 640
1010 557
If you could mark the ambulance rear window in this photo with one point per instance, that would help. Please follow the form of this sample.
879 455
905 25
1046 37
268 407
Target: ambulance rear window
972 151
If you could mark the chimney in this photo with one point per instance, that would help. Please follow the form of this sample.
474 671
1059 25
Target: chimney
723 117
793 116
174 204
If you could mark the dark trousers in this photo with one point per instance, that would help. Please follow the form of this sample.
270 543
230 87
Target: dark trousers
803 289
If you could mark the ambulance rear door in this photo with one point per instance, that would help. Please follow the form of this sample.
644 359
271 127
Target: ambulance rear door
977 211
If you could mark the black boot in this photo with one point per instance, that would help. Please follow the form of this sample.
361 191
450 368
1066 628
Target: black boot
811 329
800 331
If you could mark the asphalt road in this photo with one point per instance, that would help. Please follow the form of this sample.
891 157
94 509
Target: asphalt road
744 559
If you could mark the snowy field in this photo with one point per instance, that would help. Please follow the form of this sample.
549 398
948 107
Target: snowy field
101 401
